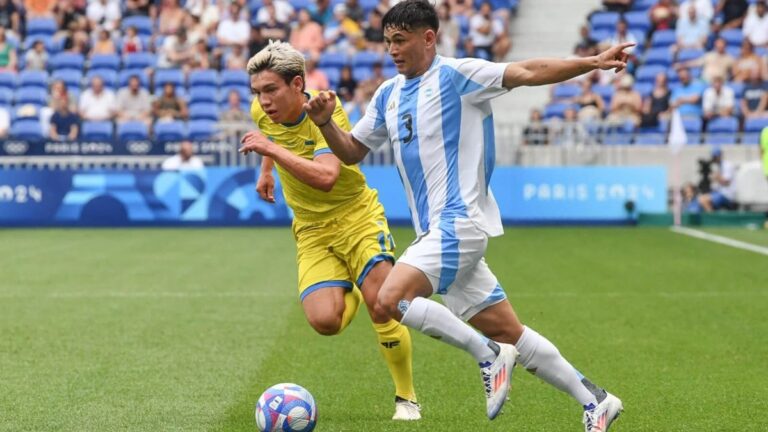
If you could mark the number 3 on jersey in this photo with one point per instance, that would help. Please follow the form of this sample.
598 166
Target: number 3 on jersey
408 125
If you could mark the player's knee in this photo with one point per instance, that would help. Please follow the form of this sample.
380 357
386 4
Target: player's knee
387 303
325 325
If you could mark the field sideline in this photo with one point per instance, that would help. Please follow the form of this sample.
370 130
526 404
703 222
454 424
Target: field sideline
181 330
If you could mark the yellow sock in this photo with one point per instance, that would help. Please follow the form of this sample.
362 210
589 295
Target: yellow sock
352 300
395 346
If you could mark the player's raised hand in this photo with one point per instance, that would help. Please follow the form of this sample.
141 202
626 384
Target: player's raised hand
614 57
320 108
265 186
255 142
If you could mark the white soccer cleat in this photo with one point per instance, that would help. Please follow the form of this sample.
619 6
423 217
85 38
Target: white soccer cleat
599 418
406 410
497 378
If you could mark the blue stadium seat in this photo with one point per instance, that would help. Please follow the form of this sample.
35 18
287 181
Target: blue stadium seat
208 78
557 110
200 130
689 54
235 78
692 124
301 4
663 38
332 60
617 138
755 124
29 41
658 56
72 78
6 96
27 130
108 76
723 124
359 73
8 80
648 73
143 24
66 60
601 35
750 138
644 88
366 59
566 91
33 79
97 131
334 76
105 61
42 26
125 75
638 21
604 20
720 138
170 131
650 139
203 111
132 131
389 72
604 90
140 60
368 6
245 93
732 37
31 95
643 5
164 76
203 94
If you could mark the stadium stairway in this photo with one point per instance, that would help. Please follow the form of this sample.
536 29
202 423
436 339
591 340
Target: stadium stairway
542 28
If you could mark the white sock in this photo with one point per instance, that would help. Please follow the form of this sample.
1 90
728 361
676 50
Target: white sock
435 320
539 356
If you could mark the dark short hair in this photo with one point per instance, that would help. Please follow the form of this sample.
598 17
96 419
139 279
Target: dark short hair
411 14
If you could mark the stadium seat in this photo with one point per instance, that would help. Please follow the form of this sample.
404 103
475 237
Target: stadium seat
358 74
105 61
203 111
750 138
737 87
723 124
97 131
334 76
366 59
170 131
689 54
645 139
72 78
755 124
8 80
557 110
643 5
604 20
732 37
125 75
203 94
143 24
140 60
235 78
164 76
301 4
32 95
33 78
202 130
208 78
601 35
663 38
6 96
66 60
27 130
332 60
644 88
638 21
658 56
566 91
29 41
245 93
42 26
132 131
617 138
648 73
108 76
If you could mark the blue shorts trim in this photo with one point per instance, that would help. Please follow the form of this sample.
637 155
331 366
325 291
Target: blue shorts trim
322 151
369 265
326 284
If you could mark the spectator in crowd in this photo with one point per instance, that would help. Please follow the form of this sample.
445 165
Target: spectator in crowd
747 63
315 79
714 63
484 31
733 13
756 24
65 125
5 122
176 52
704 8
8 60
37 57
355 105
692 29
591 104
274 29
256 42
104 44
134 103
282 9
236 59
38 8
586 45
723 190
571 131
9 16
104 14
755 97
184 160
68 17
234 111
140 8
621 36
234 30
686 97
656 105
195 29
718 100
617 5
383 7
376 79
354 11
663 15
169 106
536 132
626 104
347 84
322 12
307 35
201 57
131 41
374 33
97 103
207 11
60 92
342 33
690 198
171 17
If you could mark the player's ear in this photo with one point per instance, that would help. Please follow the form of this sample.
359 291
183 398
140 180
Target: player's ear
430 38
297 83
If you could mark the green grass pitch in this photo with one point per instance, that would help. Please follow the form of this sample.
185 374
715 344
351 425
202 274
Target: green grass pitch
181 330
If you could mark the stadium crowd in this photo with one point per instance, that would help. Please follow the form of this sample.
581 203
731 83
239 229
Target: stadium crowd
705 58
174 69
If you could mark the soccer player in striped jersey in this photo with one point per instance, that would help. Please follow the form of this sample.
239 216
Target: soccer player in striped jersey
437 115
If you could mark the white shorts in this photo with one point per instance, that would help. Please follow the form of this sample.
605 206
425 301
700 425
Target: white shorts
451 255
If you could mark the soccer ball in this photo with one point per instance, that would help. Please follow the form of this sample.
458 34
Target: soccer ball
286 408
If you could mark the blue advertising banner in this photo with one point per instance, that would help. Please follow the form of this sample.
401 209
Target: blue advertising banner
106 148
226 196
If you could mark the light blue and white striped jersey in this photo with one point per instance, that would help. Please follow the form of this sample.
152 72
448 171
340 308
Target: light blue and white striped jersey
440 125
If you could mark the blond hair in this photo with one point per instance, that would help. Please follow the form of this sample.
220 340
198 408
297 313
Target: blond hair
280 58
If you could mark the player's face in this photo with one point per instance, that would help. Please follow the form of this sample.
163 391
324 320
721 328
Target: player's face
281 101
412 51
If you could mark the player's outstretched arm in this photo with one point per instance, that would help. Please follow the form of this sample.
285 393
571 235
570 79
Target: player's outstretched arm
320 109
541 71
265 185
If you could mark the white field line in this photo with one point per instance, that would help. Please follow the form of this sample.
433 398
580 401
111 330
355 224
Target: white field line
721 240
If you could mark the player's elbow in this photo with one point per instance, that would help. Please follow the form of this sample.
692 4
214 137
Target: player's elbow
327 182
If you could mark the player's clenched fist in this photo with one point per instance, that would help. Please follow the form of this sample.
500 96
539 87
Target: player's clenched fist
320 108
265 186
255 142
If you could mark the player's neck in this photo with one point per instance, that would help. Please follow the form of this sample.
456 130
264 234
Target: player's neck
429 61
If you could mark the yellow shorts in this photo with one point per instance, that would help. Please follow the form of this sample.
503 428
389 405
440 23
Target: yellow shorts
340 251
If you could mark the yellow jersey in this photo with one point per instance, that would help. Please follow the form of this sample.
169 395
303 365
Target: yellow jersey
305 140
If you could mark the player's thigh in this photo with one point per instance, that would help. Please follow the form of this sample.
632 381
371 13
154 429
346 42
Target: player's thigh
324 308
404 282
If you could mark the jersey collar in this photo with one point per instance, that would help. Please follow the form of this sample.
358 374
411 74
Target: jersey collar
301 117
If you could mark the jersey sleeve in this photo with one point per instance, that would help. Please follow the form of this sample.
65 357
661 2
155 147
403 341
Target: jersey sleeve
371 130
478 80
341 119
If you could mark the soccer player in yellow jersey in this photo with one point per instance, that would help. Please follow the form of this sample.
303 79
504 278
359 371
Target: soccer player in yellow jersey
345 250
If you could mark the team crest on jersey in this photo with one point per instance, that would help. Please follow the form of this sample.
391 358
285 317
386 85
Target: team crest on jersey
391 106
309 143
428 92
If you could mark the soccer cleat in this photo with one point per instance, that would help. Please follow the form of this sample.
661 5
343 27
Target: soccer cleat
599 418
406 410
497 377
